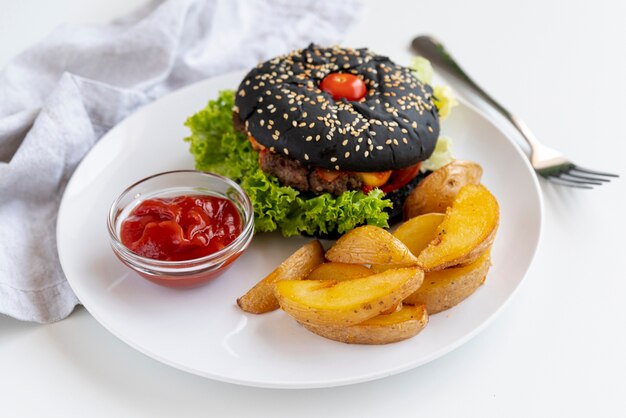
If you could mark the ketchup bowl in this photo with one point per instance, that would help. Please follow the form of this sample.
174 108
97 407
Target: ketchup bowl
181 228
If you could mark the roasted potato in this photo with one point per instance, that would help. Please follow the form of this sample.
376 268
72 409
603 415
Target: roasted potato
381 329
261 299
344 271
393 309
466 232
446 288
343 303
339 271
418 232
437 191
370 245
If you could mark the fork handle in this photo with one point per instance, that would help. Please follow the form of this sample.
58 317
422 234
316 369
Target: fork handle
437 54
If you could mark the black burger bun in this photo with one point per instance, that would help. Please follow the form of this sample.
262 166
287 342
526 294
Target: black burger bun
394 126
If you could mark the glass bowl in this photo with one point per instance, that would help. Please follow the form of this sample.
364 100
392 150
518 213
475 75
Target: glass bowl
186 273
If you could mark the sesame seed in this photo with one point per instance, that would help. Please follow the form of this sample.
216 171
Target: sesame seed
286 116
294 124
306 157
308 138
261 122
286 151
333 159
347 154
366 153
406 141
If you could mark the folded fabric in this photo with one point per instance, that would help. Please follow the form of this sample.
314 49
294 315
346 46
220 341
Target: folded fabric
62 95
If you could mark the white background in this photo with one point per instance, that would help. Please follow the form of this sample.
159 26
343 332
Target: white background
557 349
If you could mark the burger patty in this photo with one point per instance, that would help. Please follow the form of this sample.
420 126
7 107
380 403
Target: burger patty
292 173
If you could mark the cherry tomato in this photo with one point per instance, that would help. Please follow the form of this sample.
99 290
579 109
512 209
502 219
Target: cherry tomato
400 178
344 86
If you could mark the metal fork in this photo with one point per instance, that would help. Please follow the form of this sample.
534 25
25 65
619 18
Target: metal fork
547 162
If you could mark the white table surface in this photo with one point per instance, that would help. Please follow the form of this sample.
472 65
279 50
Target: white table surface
557 349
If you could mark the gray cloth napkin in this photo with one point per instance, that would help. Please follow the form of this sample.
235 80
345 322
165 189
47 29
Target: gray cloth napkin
59 97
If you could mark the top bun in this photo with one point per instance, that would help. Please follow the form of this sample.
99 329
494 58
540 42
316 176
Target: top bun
394 126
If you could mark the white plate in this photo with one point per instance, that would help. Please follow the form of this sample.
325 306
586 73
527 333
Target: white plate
201 330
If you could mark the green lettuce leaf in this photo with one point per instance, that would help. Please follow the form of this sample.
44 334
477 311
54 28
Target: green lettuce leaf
219 148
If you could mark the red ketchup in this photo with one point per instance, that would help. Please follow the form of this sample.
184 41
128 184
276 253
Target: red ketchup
181 228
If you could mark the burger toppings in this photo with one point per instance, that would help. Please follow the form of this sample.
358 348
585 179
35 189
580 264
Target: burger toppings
344 86
321 139
317 180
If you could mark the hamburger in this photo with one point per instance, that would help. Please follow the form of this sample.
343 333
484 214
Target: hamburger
329 136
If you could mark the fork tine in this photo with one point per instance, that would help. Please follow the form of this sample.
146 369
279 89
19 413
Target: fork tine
573 180
560 181
592 180
594 172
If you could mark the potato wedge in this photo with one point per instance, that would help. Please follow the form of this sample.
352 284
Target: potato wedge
261 299
446 288
393 309
418 232
466 232
344 271
381 329
437 191
329 302
339 272
370 245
